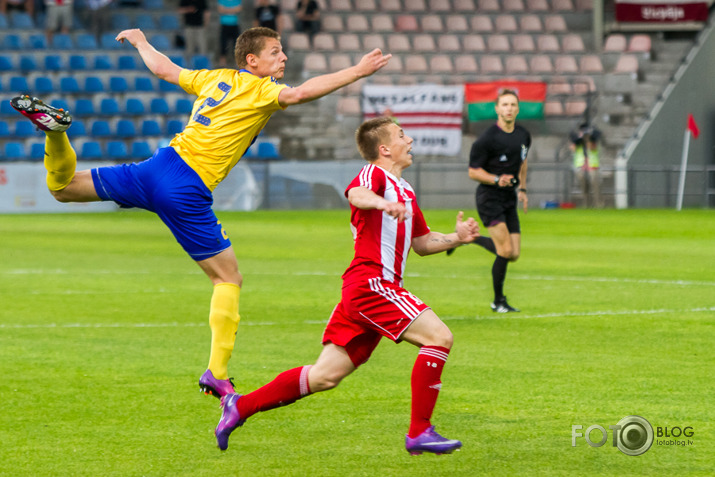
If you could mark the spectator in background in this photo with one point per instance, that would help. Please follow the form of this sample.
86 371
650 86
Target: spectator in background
268 15
98 13
9 5
307 18
196 18
59 16
585 146
228 11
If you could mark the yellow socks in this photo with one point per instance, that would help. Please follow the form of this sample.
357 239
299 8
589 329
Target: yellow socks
223 319
60 160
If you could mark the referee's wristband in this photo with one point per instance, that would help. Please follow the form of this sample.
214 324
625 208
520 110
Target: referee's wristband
522 190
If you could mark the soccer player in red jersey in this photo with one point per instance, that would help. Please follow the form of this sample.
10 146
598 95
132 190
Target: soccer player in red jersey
386 222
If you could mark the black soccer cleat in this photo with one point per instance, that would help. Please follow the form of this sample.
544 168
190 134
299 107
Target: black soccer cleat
501 306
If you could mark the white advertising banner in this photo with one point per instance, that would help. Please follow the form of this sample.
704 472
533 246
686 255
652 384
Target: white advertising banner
430 114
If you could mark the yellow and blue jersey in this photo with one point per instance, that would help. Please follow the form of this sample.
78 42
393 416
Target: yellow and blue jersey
231 110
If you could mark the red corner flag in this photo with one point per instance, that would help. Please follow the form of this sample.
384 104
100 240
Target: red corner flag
692 126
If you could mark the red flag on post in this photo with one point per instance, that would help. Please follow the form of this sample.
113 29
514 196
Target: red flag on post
692 126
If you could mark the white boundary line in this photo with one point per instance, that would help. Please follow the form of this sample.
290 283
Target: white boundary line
651 281
495 316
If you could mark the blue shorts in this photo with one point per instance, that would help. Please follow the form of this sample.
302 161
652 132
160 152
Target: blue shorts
166 185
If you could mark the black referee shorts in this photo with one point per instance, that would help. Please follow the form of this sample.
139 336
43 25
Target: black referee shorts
496 205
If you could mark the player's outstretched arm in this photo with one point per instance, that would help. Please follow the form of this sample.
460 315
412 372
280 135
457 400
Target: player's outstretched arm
466 231
157 62
321 85
364 198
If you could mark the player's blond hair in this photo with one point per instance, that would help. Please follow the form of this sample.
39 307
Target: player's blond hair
370 135
252 42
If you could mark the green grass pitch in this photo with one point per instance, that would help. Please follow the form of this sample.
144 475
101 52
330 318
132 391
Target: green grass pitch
104 333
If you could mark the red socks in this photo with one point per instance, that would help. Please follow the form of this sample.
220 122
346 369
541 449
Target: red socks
286 388
426 384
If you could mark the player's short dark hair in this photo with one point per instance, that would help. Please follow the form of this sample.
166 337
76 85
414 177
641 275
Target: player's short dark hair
252 42
505 92
370 135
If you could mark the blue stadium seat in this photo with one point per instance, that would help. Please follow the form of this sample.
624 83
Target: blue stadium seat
108 41
12 42
15 151
18 84
178 60
118 84
77 129
84 107
91 150
4 24
37 42
125 128
6 109
69 85
142 83
78 63
5 63
4 129
60 103
43 85
174 126
154 4
102 62
21 21
28 63
53 62
169 22
121 21
134 106
24 129
161 42
200 62
141 149
109 107
159 106
183 106
100 128
37 151
150 128
145 22
268 150
93 84
127 62
166 87
62 41
117 150
86 41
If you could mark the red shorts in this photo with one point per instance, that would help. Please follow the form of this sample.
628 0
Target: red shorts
367 311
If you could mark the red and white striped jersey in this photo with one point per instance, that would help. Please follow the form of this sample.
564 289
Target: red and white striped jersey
381 242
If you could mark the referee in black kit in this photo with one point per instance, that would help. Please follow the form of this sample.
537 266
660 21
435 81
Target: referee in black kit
498 162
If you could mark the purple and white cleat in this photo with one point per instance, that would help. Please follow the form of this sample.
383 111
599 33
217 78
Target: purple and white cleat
430 441
230 420
45 117
215 387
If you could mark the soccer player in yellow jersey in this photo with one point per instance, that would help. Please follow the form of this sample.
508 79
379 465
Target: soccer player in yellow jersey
176 183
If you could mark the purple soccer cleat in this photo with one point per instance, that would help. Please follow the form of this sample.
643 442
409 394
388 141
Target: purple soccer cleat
43 116
215 387
230 420
430 441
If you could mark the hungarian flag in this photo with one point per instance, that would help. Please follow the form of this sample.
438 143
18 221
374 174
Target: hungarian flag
481 98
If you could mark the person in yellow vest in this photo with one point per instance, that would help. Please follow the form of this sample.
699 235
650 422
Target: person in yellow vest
585 146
